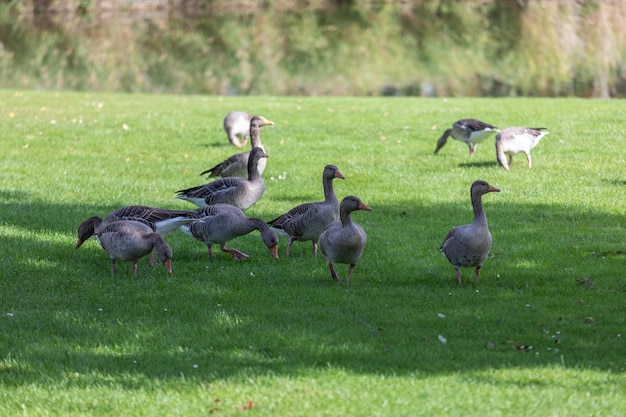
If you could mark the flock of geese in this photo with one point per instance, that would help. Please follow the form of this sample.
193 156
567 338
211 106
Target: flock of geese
133 232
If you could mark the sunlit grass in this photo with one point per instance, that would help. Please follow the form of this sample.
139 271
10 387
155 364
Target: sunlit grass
540 334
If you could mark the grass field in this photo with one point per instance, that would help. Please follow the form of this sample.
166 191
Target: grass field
542 333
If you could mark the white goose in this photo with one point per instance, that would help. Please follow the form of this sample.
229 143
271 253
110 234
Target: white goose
237 127
237 164
469 131
343 241
514 140
239 192
469 245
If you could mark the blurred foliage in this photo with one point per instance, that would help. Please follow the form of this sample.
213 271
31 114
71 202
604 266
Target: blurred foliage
443 48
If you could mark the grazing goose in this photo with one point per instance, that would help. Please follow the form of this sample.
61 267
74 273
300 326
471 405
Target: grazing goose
237 165
237 126
343 241
513 140
239 192
162 221
222 223
468 131
129 240
469 245
308 220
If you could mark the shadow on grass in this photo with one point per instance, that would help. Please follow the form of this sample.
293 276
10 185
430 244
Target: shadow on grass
478 164
62 313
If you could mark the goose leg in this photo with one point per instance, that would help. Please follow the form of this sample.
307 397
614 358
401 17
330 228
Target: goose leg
234 139
289 245
210 250
314 248
135 269
472 149
333 273
112 267
530 162
458 275
237 255
350 270
477 273
510 157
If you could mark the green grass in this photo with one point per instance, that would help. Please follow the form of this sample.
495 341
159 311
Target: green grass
218 334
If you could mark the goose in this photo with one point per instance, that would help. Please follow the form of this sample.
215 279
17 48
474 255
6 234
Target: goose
222 223
237 127
343 241
469 245
307 221
162 221
237 164
468 131
513 140
129 240
239 192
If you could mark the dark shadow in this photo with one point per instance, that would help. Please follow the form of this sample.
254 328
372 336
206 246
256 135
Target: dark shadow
216 319
478 164
618 182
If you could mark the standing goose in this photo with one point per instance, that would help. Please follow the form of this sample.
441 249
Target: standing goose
239 192
237 165
343 241
469 245
129 240
222 223
237 127
513 140
162 221
468 131
308 220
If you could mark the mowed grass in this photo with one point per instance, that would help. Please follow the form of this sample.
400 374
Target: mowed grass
542 333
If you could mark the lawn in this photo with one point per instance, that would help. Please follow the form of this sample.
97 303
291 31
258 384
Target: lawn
542 333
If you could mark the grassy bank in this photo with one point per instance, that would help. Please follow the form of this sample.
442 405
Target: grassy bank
542 333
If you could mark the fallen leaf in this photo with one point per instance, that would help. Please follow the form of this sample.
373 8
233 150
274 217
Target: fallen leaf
246 406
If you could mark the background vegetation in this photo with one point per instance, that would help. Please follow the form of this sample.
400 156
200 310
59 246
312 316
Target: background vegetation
442 48
541 334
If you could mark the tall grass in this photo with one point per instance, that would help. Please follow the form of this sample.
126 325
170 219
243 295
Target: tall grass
541 333
443 48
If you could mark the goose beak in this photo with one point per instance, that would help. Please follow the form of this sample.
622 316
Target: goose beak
339 175
364 207
267 122
79 242
168 265
493 189
274 250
